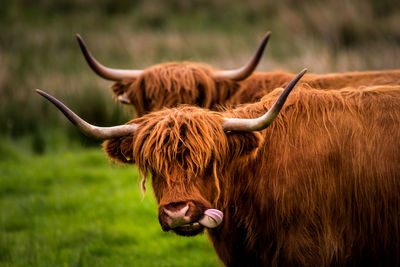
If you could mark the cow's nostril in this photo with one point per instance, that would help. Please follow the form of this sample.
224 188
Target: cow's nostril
176 217
177 213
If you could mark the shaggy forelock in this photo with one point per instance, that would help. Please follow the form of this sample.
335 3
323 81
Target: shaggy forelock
182 141
170 84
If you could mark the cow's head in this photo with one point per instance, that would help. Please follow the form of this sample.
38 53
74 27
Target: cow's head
186 150
170 84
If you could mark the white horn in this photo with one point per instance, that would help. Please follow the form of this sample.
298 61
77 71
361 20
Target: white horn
103 71
87 128
245 71
260 123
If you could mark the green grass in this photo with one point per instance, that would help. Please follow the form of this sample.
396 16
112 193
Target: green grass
74 208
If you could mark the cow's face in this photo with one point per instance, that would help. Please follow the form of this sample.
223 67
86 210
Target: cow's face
188 155
171 84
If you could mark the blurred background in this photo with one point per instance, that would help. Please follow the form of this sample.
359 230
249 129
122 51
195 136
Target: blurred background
61 201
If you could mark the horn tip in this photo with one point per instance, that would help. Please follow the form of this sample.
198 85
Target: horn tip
303 71
265 39
39 91
78 37
43 93
81 43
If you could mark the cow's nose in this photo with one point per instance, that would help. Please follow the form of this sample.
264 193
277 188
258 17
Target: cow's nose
177 215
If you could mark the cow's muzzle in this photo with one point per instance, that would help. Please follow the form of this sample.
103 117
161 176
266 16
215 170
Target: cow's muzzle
187 218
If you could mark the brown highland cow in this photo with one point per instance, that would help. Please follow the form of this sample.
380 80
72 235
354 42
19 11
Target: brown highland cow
171 84
319 187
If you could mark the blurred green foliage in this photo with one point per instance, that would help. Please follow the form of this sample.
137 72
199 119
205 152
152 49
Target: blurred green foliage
38 50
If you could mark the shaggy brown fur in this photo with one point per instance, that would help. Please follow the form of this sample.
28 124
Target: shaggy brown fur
319 187
259 84
171 84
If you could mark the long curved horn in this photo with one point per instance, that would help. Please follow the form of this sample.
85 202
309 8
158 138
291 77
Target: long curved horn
90 130
260 123
102 71
245 71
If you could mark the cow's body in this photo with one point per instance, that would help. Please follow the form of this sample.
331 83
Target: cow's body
319 187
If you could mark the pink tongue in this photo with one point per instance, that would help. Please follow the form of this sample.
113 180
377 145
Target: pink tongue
217 215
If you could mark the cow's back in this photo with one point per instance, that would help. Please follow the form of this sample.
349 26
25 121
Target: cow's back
259 84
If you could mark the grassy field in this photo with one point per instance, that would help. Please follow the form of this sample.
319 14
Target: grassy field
73 208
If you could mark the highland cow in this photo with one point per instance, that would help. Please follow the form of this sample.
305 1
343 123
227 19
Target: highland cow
171 84
319 187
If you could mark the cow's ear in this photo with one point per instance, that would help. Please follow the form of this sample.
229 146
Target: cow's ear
120 149
244 144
